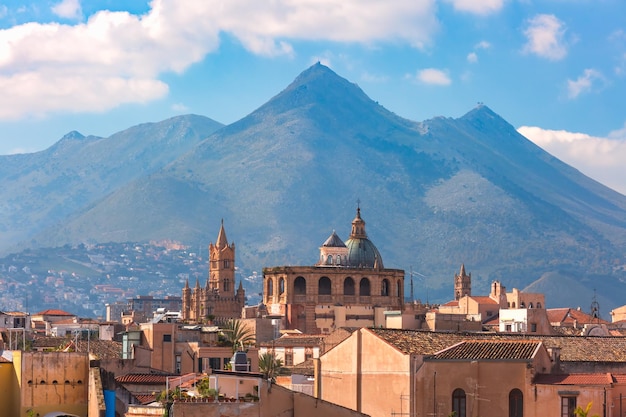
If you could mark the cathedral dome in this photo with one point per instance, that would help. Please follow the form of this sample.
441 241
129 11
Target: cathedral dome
362 253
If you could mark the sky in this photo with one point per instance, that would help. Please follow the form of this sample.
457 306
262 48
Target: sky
554 69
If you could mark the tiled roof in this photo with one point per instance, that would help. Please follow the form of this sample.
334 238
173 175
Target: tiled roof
575 379
571 316
295 340
489 349
145 398
484 300
142 379
103 349
53 312
573 348
453 303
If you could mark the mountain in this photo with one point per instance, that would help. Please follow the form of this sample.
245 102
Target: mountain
434 195
43 188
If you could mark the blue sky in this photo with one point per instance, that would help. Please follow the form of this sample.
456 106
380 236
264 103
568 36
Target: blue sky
555 69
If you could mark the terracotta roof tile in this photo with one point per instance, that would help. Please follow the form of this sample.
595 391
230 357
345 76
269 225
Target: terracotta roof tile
573 348
571 316
484 300
295 340
53 312
145 398
142 379
489 349
574 379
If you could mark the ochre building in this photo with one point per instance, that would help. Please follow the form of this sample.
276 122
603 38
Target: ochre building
348 286
217 300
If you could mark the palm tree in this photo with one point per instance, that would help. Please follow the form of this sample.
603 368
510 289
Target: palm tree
238 335
580 412
270 365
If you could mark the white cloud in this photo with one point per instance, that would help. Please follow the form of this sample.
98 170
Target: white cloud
482 45
545 37
472 57
584 83
68 9
117 57
480 7
433 76
599 158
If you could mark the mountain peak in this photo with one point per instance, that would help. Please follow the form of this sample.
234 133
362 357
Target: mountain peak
73 135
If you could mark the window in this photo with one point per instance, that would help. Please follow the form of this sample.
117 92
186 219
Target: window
324 286
270 288
458 403
281 286
384 289
568 405
516 403
329 260
348 286
507 327
226 263
533 327
299 286
364 287
214 363
177 364
167 337
226 285
288 358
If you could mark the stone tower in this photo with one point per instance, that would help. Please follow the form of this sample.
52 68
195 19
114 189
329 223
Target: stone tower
218 300
222 265
462 284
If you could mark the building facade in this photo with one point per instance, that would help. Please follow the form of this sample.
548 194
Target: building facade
218 300
347 287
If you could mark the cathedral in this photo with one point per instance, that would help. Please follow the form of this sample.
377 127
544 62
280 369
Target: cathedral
218 301
347 287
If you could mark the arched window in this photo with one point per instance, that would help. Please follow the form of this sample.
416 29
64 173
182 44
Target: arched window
530 305
516 403
384 287
364 287
270 288
281 286
538 304
329 260
299 286
323 286
348 286
458 402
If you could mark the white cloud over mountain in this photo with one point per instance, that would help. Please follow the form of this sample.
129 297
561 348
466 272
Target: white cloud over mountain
599 158
545 37
117 57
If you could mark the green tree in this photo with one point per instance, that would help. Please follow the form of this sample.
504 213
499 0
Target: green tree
270 365
238 335
204 389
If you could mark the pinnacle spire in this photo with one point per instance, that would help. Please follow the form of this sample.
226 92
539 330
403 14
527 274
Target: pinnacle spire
222 241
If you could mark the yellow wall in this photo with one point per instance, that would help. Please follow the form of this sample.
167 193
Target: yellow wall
39 392
9 390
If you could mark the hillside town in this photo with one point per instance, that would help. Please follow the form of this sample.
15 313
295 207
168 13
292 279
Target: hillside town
338 338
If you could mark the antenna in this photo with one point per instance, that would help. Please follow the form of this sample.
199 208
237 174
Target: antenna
412 296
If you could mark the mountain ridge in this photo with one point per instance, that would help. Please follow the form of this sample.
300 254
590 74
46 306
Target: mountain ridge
434 194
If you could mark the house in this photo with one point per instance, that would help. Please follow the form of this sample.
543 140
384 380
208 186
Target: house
385 371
